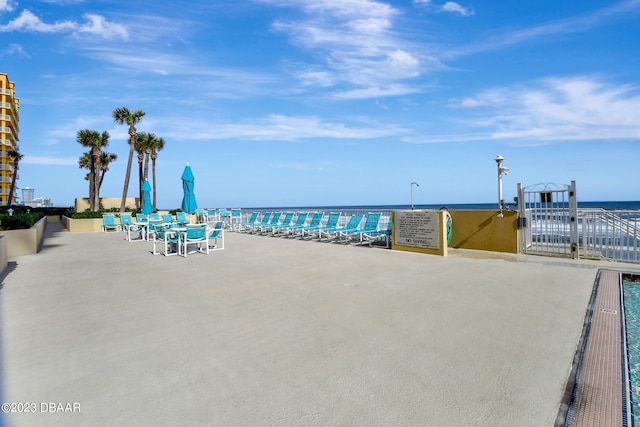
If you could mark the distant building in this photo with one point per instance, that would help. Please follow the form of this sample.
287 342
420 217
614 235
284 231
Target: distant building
39 202
28 194
9 105
28 199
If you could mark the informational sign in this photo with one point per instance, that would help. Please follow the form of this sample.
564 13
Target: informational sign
417 228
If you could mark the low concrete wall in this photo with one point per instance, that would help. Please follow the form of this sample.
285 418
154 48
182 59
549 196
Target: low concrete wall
82 203
85 225
3 255
483 230
24 242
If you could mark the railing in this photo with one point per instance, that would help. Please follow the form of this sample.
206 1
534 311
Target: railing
612 235
385 216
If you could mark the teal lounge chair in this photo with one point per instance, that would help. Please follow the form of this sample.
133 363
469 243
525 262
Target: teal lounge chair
332 222
109 223
316 220
351 225
370 225
301 220
250 222
287 220
168 219
266 217
154 216
385 234
275 219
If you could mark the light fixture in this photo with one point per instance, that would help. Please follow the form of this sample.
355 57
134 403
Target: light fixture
501 170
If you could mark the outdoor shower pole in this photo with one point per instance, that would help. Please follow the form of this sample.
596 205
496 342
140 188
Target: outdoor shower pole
411 188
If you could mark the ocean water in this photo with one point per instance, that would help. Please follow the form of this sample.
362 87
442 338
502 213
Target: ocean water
610 205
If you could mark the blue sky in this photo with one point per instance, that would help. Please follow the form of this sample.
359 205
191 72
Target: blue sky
332 102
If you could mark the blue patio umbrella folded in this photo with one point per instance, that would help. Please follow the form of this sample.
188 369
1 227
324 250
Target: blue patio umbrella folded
189 204
147 206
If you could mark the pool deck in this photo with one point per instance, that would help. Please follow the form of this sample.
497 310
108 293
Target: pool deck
274 331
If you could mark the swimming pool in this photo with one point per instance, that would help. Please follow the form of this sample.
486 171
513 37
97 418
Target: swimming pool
631 298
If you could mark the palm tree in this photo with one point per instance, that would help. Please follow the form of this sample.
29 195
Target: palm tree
142 142
95 141
84 162
158 144
147 146
105 160
122 116
15 156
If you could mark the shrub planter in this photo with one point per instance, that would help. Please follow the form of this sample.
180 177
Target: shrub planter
23 242
84 225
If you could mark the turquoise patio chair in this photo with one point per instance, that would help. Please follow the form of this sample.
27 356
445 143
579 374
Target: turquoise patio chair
162 233
154 216
140 217
109 223
235 218
181 218
195 235
127 224
216 234
168 219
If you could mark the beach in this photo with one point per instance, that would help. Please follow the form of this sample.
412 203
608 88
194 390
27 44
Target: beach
274 331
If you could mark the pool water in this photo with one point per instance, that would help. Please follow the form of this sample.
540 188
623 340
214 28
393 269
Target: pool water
631 291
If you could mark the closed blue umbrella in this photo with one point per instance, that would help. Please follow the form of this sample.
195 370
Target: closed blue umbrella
189 204
147 206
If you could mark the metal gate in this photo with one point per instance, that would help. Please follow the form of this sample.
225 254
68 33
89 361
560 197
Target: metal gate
548 219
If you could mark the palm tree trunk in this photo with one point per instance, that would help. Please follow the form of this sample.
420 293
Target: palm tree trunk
140 179
13 185
153 172
123 203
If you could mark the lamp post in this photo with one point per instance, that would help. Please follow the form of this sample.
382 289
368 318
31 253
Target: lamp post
501 170
411 188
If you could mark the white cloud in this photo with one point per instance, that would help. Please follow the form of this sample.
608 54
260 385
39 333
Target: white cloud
274 127
451 6
14 49
553 110
95 24
355 41
55 161
7 5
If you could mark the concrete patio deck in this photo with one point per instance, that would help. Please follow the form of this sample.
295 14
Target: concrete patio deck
272 331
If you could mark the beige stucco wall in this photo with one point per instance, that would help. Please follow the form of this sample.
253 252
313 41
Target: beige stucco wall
85 225
3 254
24 242
484 230
82 203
